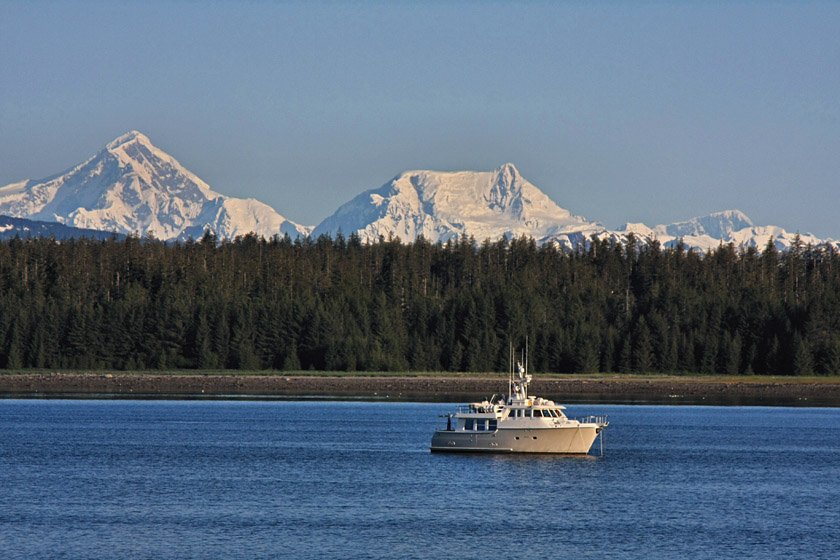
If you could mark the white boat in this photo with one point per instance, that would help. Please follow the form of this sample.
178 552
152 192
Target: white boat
518 424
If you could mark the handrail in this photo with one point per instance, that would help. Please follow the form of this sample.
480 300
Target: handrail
469 409
600 420
447 422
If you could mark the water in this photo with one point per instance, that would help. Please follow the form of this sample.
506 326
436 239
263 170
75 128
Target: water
281 479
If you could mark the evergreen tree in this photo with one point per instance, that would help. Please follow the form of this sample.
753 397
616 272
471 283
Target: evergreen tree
802 360
343 304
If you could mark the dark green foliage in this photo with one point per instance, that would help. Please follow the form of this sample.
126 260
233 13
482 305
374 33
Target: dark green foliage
325 304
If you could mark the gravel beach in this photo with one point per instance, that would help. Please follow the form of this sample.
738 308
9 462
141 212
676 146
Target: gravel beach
435 388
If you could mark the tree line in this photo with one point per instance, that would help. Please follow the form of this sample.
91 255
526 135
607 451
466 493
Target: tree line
340 304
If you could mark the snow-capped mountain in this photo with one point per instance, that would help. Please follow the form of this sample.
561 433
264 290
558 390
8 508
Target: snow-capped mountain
488 205
440 206
731 226
133 187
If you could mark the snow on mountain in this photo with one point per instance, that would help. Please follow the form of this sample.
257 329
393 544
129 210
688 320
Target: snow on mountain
707 233
133 187
718 225
758 236
489 205
440 206
240 216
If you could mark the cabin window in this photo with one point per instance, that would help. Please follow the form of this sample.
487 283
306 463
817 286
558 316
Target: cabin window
468 424
558 413
480 425
538 414
552 413
528 413
492 425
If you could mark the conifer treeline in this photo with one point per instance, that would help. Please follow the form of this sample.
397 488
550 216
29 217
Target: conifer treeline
338 304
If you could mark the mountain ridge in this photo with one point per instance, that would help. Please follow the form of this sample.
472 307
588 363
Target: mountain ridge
133 187
708 232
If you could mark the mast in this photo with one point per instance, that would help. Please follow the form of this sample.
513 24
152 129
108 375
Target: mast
510 371
526 358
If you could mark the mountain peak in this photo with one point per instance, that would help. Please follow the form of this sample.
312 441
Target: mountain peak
509 169
442 205
719 225
128 137
134 187
734 216
507 176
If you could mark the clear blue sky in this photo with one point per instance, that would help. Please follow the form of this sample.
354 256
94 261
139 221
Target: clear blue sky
646 111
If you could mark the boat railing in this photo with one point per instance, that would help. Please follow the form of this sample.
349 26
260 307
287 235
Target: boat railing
470 409
600 420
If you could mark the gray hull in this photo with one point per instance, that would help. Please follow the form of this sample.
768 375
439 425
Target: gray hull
576 440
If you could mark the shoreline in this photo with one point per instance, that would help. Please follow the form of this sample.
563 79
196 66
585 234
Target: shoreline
666 390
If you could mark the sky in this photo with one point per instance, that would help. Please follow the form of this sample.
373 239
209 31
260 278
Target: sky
651 112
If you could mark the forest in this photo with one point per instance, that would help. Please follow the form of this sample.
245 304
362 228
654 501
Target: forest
337 304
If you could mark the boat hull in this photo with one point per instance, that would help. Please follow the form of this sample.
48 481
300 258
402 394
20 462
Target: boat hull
572 440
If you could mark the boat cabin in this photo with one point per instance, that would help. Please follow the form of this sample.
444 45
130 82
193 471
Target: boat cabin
488 415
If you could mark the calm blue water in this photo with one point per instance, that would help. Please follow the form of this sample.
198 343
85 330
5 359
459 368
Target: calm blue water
283 479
